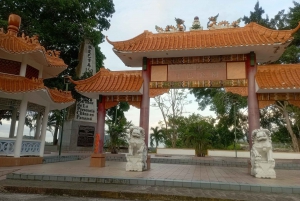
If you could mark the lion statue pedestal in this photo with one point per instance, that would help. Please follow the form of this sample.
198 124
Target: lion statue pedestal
262 161
137 151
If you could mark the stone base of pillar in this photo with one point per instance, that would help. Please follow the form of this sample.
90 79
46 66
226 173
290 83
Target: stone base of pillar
11 161
249 166
97 160
148 162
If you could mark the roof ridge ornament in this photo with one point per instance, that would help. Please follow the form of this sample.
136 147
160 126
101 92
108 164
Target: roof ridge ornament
170 28
196 24
212 23
14 22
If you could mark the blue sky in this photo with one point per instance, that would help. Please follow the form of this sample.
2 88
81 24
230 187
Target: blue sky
132 17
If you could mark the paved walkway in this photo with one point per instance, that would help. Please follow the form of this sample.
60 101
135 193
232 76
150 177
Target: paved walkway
187 180
232 175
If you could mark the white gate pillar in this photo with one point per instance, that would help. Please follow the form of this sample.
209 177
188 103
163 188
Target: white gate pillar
22 115
38 127
43 132
13 123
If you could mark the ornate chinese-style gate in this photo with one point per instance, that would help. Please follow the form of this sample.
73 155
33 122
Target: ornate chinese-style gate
220 57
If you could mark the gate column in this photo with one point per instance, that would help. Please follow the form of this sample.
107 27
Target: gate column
253 109
145 103
101 122
98 158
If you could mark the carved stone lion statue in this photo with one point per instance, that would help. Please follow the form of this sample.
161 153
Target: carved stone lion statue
262 161
137 151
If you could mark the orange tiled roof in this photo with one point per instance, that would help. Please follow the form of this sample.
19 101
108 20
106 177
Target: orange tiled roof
59 96
20 45
243 91
251 34
157 92
19 84
110 81
17 45
263 104
283 76
16 84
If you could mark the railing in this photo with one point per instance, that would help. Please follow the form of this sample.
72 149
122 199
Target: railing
29 147
7 146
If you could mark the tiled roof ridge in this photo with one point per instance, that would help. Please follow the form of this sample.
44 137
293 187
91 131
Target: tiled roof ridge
142 36
110 81
251 34
103 72
274 33
17 45
274 67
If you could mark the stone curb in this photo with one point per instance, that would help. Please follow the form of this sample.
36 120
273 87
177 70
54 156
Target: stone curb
56 159
223 163
158 182
285 166
107 194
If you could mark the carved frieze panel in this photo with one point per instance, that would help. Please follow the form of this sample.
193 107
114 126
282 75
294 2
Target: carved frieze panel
198 59
123 98
278 96
203 71
199 84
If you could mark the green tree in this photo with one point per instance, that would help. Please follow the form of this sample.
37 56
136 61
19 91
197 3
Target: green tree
62 25
52 19
55 120
117 126
157 136
197 133
229 108
291 55
171 106
117 134
257 16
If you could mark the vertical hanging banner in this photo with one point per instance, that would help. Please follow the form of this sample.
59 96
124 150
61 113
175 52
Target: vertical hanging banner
86 110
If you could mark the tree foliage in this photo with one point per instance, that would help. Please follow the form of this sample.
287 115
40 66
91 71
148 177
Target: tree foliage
62 25
117 126
281 21
156 136
257 16
171 106
196 132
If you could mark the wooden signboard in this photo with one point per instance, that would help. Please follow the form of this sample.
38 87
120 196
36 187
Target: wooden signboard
201 71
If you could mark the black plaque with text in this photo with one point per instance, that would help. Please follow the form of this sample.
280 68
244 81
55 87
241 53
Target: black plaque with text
85 136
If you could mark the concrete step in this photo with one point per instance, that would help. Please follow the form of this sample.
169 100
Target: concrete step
134 192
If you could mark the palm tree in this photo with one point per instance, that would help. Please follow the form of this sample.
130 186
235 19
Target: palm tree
54 121
157 136
117 131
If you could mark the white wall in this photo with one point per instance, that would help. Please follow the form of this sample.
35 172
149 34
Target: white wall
225 153
246 154
171 151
